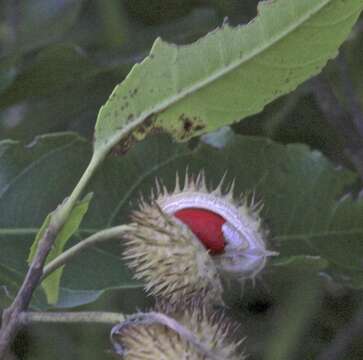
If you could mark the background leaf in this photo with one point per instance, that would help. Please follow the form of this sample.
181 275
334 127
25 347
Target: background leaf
42 175
56 67
38 23
51 283
197 88
301 305
302 191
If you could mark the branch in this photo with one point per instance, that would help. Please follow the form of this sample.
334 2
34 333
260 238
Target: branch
66 256
344 338
354 106
340 120
108 318
10 318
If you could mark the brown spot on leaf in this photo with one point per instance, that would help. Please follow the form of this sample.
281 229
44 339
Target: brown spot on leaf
133 92
187 125
123 146
190 125
199 127
147 127
149 120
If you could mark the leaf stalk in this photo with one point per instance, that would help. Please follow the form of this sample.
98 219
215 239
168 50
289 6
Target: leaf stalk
101 236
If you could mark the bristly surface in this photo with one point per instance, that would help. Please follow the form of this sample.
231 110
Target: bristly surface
169 258
151 340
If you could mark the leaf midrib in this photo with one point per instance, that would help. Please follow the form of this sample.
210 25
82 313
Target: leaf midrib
142 178
33 164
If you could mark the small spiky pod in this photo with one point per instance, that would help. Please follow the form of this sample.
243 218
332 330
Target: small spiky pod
187 333
184 237
169 257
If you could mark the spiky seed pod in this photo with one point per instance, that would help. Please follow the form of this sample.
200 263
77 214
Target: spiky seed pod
244 252
187 333
169 257
183 237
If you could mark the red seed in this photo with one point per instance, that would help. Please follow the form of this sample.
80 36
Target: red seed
206 225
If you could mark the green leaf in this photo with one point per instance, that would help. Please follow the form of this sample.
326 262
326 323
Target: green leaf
51 283
227 75
312 223
38 237
34 180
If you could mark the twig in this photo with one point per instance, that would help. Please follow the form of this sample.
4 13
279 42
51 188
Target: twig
98 317
354 106
101 236
10 317
344 338
340 120
11 11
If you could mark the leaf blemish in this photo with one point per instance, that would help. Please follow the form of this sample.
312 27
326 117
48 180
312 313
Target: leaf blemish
187 125
133 92
190 125
199 127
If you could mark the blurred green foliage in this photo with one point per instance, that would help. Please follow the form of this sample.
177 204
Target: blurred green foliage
60 60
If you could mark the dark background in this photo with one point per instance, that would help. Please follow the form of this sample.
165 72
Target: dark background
60 60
